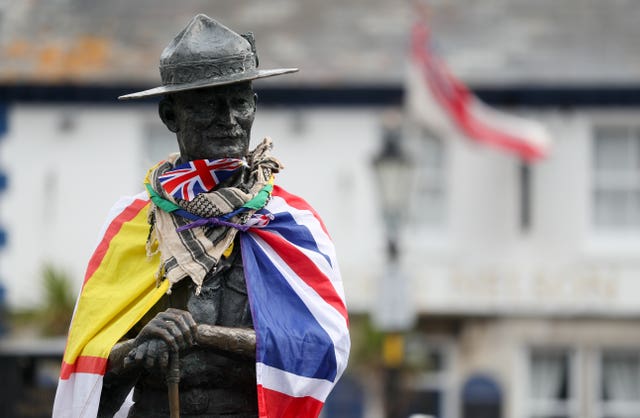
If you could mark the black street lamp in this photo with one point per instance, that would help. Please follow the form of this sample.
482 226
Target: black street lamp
394 171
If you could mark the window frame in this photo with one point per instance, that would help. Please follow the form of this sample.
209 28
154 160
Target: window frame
614 180
544 408
603 408
429 178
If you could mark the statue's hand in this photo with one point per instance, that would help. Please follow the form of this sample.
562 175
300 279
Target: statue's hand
170 331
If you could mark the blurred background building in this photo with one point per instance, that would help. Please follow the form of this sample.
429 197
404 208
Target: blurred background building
522 291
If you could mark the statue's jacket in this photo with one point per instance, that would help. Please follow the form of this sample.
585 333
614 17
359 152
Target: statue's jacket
295 295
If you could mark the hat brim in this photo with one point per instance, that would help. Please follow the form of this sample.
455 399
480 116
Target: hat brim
234 78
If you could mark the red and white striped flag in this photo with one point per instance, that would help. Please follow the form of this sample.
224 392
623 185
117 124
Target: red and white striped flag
443 104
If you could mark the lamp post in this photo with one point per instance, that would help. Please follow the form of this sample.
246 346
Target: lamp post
393 313
393 169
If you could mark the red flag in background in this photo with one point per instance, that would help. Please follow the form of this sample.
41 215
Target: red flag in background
442 103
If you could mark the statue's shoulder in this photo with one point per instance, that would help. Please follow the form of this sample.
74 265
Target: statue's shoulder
127 218
126 209
286 201
291 199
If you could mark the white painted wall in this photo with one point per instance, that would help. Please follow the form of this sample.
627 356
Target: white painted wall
62 183
486 264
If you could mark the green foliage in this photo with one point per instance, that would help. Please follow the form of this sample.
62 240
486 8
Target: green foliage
366 343
59 301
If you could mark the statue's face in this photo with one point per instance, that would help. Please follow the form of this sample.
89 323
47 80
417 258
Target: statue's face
213 122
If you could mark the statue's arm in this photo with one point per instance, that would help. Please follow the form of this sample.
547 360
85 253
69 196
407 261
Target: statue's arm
170 331
118 380
117 356
240 341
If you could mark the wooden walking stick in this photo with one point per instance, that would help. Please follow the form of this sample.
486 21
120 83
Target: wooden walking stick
173 380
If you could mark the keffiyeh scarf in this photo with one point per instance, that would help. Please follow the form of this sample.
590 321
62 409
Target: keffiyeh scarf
187 251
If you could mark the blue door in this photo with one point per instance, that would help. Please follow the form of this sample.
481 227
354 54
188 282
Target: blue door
481 398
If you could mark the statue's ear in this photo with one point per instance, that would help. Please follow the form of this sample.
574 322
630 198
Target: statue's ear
167 114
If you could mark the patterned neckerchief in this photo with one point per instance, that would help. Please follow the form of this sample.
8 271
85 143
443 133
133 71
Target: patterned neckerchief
192 235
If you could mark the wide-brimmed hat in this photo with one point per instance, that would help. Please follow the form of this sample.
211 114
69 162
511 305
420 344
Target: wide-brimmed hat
206 54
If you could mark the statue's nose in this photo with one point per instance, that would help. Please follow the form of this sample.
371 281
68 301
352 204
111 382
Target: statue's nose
224 115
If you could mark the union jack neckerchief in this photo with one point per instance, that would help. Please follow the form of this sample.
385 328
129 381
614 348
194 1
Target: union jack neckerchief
188 180
192 252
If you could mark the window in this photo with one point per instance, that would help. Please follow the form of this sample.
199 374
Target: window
429 200
429 386
616 178
583 382
552 392
620 384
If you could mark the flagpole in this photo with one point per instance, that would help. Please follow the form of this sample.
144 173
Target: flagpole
525 196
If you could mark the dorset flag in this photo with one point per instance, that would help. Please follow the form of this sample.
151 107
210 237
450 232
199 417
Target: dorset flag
443 104
295 293
109 304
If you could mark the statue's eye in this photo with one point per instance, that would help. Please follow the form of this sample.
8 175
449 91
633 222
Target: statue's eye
241 103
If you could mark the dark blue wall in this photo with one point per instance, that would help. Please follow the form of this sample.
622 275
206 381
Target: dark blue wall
347 95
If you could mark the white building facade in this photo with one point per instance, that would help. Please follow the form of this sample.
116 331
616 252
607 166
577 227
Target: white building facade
544 302
525 282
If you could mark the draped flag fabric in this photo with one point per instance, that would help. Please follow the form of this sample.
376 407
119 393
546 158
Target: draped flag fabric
110 303
298 309
295 294
187 180
445 106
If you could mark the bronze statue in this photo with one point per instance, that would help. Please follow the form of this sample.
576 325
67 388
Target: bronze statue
201 332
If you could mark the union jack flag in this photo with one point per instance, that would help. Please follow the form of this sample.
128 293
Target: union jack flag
188 180
298 306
